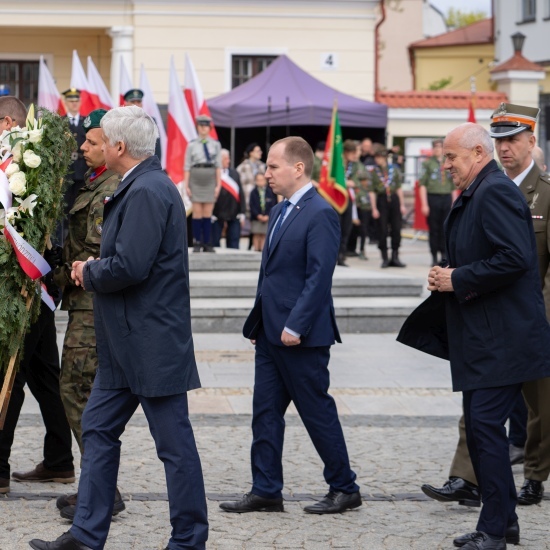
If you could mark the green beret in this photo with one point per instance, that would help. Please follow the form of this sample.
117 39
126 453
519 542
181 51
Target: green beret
135 94
93 119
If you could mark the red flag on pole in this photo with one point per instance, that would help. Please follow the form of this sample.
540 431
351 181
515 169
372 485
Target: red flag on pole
98 88
471 110
181 128
48 94
194 96
79 81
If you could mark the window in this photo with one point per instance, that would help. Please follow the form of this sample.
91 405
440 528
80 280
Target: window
244 67
21 77
528 10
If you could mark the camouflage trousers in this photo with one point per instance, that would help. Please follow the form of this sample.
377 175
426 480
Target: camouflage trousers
78 367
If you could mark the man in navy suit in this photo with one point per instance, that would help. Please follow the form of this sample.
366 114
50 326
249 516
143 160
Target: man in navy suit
144 341
293 326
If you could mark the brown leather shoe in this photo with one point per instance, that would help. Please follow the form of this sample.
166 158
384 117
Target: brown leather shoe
41 474
4 486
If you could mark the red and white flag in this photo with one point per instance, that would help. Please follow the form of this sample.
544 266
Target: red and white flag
48 94
231 186
97 87
125 81
79 81
45 297
194 96
181 128
152 109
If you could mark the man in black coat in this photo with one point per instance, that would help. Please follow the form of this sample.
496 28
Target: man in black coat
230 207
144 341
496 326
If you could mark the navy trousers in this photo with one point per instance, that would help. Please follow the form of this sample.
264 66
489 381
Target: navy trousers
486 412
105 417
298 374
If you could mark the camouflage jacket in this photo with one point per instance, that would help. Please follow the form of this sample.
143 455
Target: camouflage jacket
83 240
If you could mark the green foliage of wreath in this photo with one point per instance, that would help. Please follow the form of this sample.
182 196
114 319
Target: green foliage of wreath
47 182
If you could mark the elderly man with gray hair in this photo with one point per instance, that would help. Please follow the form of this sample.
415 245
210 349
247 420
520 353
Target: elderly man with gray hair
144 342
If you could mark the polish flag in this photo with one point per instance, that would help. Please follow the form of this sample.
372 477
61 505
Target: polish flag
181 128
125 81
48 95
98 88
194 96
79 81
471 109
152 109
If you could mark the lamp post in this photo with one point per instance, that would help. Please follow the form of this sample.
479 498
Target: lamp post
518 39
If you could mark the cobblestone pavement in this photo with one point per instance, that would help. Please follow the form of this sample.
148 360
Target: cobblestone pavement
400 422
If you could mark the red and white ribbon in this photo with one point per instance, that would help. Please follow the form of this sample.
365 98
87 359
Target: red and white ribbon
46 298
31 262
230 185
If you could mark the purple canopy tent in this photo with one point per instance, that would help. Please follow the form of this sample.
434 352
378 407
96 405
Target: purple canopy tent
285 95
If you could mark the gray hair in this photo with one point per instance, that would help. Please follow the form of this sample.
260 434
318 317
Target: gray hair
474 134
134 127
225 152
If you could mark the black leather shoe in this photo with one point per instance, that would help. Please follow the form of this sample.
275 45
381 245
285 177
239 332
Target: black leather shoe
512 536
68 511
482 541
455 489
517 455
531 492
335 502
65 542
253 503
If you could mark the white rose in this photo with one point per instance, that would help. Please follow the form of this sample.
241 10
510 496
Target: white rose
31 159
12 169
35 136
16 151
18 183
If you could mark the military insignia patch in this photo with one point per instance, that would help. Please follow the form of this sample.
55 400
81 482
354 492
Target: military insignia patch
87 122
98 225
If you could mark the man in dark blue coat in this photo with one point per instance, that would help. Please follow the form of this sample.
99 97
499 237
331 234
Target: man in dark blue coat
497 332
144 342
293 326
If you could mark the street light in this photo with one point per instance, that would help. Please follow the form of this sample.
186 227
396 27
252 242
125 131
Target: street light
518 39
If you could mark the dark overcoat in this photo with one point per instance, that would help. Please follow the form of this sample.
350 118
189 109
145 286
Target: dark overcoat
141 288
496 324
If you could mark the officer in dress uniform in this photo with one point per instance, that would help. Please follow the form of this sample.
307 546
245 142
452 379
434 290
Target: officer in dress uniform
79 360
436 197
77 169
135 97
388 205
202 179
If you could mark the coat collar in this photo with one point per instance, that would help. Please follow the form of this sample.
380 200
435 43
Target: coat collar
529 183
147 165
491 166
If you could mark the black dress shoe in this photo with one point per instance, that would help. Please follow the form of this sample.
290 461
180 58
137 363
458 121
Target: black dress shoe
253 503
517 454
335 502
455 489
512 536
65 542
482 541
531 492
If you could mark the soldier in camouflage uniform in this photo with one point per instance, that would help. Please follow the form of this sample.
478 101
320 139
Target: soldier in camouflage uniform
79 359
436 193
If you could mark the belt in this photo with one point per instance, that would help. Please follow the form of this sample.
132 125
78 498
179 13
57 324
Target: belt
203 165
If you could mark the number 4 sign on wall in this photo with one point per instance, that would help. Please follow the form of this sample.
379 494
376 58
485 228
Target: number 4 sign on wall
329 61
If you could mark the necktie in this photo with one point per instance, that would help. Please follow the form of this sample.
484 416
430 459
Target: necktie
286 204
206 152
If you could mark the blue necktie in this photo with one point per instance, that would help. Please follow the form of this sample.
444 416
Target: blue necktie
286 204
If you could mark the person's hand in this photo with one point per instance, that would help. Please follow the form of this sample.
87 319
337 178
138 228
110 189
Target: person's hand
425 211
375 213
217 192
54 256
350 183
288 340
77 272
403 209
188 191
356 221
439 279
